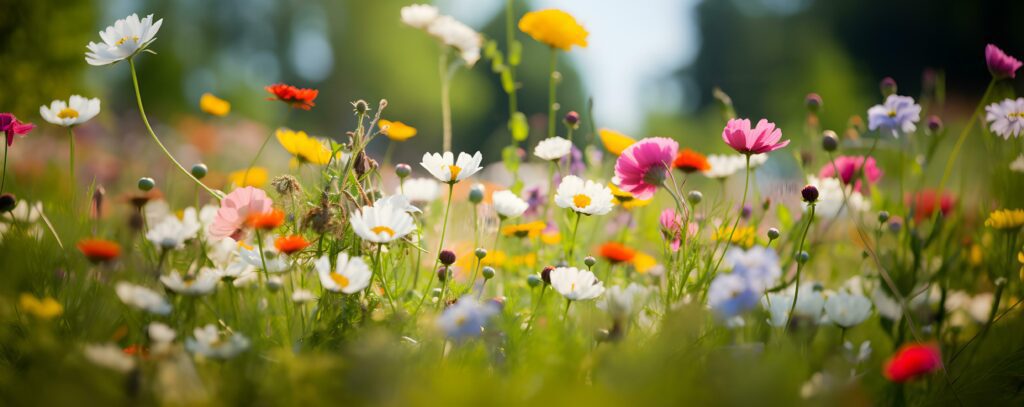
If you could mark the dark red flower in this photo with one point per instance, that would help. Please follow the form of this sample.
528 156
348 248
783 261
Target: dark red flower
925 203
11 126
911 361
295 97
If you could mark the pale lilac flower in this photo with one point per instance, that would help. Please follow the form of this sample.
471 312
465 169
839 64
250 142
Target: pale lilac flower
466 318
1006 118
897 115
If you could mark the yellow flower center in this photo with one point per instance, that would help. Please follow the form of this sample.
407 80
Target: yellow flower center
1015 115
460 321
124 39
572 287
68 113
581 201
383 229
340 280
892 113
455 170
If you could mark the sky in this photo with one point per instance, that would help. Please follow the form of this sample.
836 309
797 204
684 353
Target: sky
632 51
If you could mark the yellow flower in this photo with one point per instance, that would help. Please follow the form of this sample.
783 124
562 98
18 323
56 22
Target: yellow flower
304 148
744 235
396 130
614 141
626 199
555 28
46 308
214 105
643 262
551 238
975 256
531 230
256 178
1005 219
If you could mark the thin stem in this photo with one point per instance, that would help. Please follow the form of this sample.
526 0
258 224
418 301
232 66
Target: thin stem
736 223
71 163
245 177
800 265
565 315
446 104
552 85
963 136
3 177
572 243
380 276
263 257
444 231
142 112
509 40
533 314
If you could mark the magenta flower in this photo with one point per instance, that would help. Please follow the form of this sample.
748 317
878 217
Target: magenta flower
999 64
10 126
762 139
848 168
235 210
643 166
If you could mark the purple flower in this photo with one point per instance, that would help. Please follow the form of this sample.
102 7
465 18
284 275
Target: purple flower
731 294
534 197
897 115
10 126
999 64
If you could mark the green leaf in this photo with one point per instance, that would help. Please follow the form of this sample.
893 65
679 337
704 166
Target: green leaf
515 52
785 218
518 126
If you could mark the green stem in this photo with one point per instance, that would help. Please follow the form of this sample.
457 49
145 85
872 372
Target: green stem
3 177
71 163
509 40
552 85
743 202
245 177
799 265
572 243
263 258
440 245
963 136
446 104
142 112
536 307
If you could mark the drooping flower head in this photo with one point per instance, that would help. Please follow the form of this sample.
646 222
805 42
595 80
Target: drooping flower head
383 222
745 140
298 98
123 40
911 361
1006 118
897 116
446 169
575 284
396 130
643 166
999 64
75 111
554 28
11 127
349 275
466 318
583 197
691 161
235 210
851 166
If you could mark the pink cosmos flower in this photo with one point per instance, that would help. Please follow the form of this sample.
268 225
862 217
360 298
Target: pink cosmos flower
643 166
10 126
672 226
999 64
848 168
762 139
235 210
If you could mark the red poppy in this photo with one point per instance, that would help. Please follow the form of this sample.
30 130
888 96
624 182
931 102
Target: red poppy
911 361
691 161
295 97
290 244
99 250
926 201
616 253
266 221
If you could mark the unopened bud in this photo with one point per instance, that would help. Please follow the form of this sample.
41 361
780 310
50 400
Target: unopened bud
403 170
488 272
829 141
146 183
199 170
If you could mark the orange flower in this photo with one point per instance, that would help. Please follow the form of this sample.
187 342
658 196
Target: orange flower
295 97
290 244
691 161
616 253
266 221
99 250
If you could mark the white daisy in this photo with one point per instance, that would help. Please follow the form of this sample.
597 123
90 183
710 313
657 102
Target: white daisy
551 149
847 310
123 40
585 197
398 201
446 169
211 343
508 204
455 34
276 262
620 302
302 296
201 284
142 298
349 275
75 111
419 15
420 190
382 223
172 233
1006 118
575 284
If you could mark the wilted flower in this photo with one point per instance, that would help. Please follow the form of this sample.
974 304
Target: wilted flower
643 166
75 111
466 318
764 138
554 28
396 130
575 284
123 40
202 283
349 275
298 98
446 169
584 197
211 343
897 115
553 148
508 204
142 298
1006 118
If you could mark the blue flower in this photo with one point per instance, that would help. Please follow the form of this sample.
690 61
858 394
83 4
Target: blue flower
896 116
759 266
466 318
732 294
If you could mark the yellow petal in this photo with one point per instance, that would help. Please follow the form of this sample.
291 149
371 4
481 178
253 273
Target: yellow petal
396 130
256 177
214 105
614 141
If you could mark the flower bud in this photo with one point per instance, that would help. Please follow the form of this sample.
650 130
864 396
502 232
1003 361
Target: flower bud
360 106
286 185
934 124
446 257
802 257
766 204
480 253
590 261
887 86
883 216
7 202
813 102
476 193
829 141
488 272
572 120
546 274
694 197
533 280
746 211
435 293
773 233
403 170
146 183
442 273
809 194
199 170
